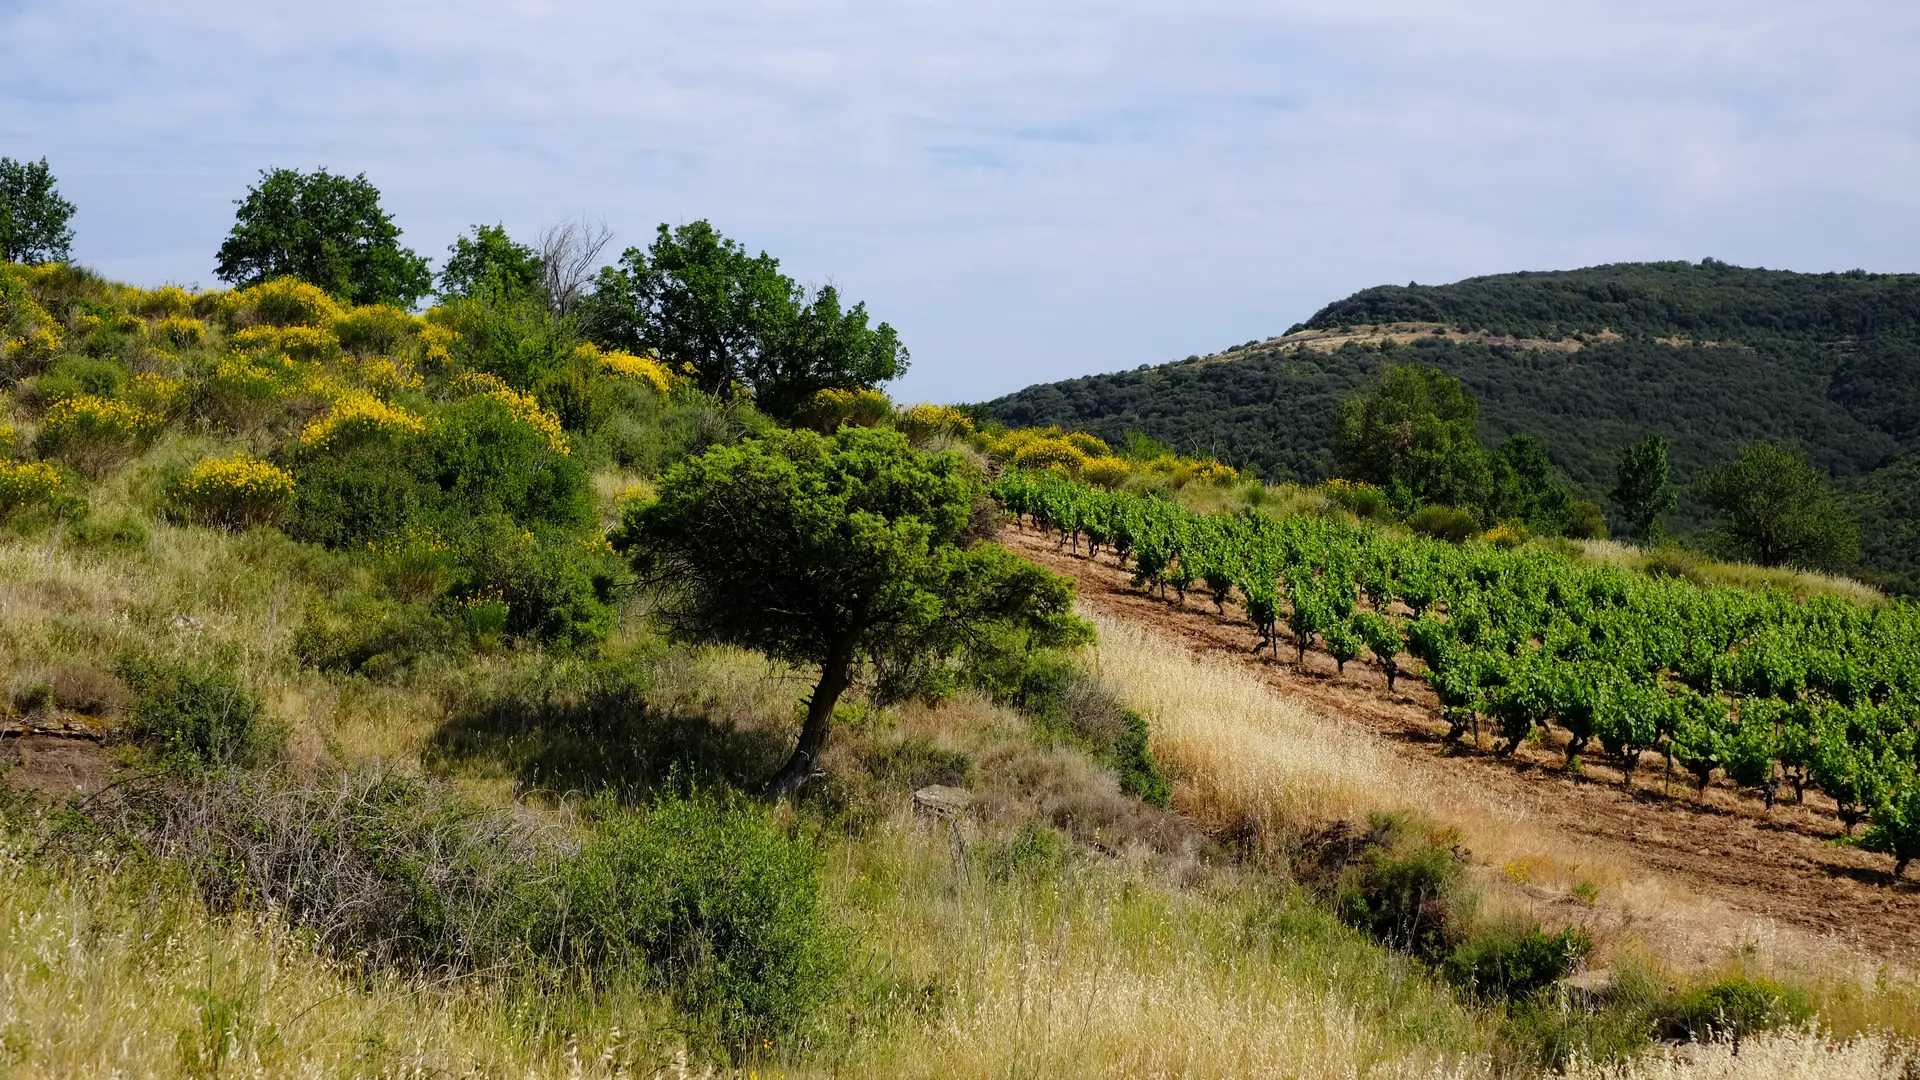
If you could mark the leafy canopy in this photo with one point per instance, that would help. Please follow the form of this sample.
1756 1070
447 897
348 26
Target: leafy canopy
1414 433
695 297
1775 509
1642 487
33 216
490 261
324 229
832 551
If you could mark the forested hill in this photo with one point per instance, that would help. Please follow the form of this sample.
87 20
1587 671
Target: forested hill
1709 355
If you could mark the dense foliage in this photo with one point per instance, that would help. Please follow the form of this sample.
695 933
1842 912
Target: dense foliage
33 216
1767 690
1709 356
326 230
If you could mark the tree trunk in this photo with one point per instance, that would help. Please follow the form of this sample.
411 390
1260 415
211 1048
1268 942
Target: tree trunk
803 764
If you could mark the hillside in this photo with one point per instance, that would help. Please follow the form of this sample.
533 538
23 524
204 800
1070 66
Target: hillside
1709 355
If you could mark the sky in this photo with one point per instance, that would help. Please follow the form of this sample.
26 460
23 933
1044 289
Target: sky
1027 191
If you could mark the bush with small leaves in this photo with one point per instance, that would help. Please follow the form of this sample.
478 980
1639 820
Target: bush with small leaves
234 493
1894 827
27 486
96 434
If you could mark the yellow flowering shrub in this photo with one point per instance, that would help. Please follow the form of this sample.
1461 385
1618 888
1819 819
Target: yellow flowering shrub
34 483
164 302
1505 536
300 342
85 323
284 301
8 439
436 345
1051 453
1356 497
1209 471
244 391
234 493
156 394
1009 443
375 328
625 365
931 421
384 375
524 408
356 413
835 408
128 323
1089 445
28 335
417 563
1107 471
179 331
94 434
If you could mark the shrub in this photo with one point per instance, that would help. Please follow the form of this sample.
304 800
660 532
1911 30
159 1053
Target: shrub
179 331
30 485
1734 1008
8 439
357 415
1444 523
157 394
163 302
1404 889
925 422
95 434
1517 961
1360 499
436 344
244 391
1050 453
310 343
835 408
234 493
375 329
1109 471
522 407
648 371
284 301
1506 536
80 376
486 458
1585 521
1090 445
914 763
375 638
719 901
196 713
550 590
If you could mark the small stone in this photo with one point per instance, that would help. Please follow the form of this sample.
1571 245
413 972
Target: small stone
187 623
941 801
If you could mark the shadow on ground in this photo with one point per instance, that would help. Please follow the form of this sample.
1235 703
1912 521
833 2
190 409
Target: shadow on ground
601 742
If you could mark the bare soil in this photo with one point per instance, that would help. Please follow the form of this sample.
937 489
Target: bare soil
1720 844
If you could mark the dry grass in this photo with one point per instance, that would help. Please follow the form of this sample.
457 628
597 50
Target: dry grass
1798 1055
1704 571
1245 758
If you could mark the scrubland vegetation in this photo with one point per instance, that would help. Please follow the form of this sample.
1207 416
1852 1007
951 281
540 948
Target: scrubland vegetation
509 691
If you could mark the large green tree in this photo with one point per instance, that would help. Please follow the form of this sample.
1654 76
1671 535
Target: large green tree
1414 432
1776 509
490 261
834 551
1642 485
325 229
697 298
33 216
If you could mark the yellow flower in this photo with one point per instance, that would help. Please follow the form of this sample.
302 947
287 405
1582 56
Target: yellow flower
437 344
625 365
30 484
284 301
524 408
235 492
359 411
179 331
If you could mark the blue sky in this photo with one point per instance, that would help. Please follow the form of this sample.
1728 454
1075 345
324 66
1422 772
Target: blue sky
1028 191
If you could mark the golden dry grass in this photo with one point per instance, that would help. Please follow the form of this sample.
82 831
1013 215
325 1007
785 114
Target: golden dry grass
1242 754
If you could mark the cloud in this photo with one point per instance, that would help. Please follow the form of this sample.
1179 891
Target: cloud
1028 191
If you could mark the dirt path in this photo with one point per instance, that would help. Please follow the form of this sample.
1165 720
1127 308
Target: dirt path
1725 847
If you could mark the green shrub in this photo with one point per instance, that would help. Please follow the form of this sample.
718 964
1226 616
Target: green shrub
196 712
1405 889
553 589
486 461
1734 1008
1035 851
1516 961
1139 773
358 494
719 901
1447 523
80 376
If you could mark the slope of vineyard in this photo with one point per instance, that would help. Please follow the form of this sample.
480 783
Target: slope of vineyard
1708 355
1765 693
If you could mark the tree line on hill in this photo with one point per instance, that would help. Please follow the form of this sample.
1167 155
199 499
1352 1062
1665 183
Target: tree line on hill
1711 358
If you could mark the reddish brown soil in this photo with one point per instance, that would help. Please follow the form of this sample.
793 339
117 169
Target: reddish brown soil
1723 846
53 763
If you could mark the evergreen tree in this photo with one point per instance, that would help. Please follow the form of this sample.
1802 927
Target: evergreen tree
33 216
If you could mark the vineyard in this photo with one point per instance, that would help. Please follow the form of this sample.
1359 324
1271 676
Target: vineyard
1778 695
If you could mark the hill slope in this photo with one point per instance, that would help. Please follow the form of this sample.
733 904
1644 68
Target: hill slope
1709 355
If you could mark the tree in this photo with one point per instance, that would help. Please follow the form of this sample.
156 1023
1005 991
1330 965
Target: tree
1414 432
834 551
568 251
1777 510
33 216
1643 487
324 229
1528 487
695 297
490 261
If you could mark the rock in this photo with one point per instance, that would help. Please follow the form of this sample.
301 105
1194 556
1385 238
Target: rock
187 623
938 800
1593 982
